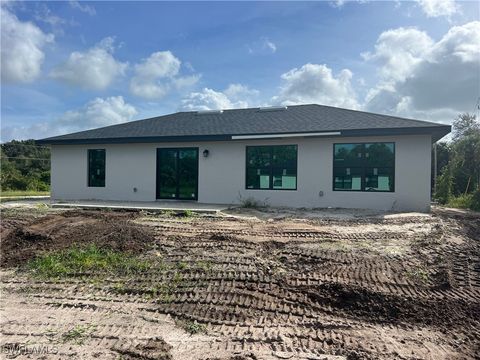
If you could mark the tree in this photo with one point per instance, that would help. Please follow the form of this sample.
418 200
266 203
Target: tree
465 125
465 159
461 175
443 157
24 166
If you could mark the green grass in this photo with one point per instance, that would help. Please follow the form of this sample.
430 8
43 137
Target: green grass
78 334
418 275
12 193
468 201
76 260
192 327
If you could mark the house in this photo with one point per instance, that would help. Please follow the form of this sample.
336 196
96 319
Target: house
298 156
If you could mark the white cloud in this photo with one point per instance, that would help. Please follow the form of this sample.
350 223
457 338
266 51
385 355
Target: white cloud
158 74
22 46
90 10
263 46
313 83
234 96
267 44
207 99
237 92
159 64
435 82
44 14
96 113
337 3
437 8
94 69
398 50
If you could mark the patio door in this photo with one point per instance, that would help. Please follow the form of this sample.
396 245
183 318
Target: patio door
177 173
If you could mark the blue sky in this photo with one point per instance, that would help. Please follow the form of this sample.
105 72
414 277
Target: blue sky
70 66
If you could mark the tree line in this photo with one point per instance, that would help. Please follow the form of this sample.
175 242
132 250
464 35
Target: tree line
24 166
458 165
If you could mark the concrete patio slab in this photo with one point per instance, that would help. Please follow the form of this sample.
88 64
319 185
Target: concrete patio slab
150 206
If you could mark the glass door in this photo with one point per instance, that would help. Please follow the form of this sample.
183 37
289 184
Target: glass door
177 173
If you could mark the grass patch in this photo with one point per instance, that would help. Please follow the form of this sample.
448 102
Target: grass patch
205 266
467 201
12 193
78 334
192 327
418 275
89 259
181 265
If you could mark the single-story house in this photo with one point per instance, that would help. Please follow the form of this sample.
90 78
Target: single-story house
296 156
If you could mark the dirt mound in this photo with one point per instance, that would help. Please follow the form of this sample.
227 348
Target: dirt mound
378 307
60 231
153 349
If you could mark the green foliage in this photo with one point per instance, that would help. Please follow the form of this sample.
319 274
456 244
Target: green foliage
188 213
466 201
475 201
443 157
460 178
193 327
418 275
444 186
465 125
78 334
461 202
76 260
25 166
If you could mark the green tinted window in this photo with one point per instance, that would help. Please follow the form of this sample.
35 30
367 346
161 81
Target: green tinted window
96 167
272 167
364 167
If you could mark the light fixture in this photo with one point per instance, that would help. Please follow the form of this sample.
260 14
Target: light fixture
206 153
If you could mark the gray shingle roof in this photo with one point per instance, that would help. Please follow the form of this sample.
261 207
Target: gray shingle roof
190 126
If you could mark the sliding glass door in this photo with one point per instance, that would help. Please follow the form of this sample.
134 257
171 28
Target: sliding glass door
177 173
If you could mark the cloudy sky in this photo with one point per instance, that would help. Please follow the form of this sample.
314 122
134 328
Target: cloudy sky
70 66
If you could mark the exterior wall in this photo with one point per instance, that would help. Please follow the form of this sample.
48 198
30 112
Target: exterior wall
222 174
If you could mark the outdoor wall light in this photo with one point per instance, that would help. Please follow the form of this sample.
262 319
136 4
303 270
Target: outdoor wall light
206 153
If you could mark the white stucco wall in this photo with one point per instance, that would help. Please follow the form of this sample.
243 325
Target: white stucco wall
222 174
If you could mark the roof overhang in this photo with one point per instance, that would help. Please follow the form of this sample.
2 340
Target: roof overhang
437 132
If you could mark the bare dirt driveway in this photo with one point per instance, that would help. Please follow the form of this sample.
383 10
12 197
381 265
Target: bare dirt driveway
242 285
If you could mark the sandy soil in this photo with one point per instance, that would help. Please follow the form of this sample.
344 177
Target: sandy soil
262 284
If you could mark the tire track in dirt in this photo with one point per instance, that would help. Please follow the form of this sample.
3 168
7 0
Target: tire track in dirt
272 289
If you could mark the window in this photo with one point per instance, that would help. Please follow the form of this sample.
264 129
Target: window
364 167
272 167
96 167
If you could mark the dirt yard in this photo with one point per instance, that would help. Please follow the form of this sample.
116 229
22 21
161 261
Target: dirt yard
243 285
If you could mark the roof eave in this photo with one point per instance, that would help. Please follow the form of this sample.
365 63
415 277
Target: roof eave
437 132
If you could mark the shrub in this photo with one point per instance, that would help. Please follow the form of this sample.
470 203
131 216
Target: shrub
475 201
467 201
250 202
461 202
444 186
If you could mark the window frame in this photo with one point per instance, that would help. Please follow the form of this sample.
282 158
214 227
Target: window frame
364 166
89 184
271 167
